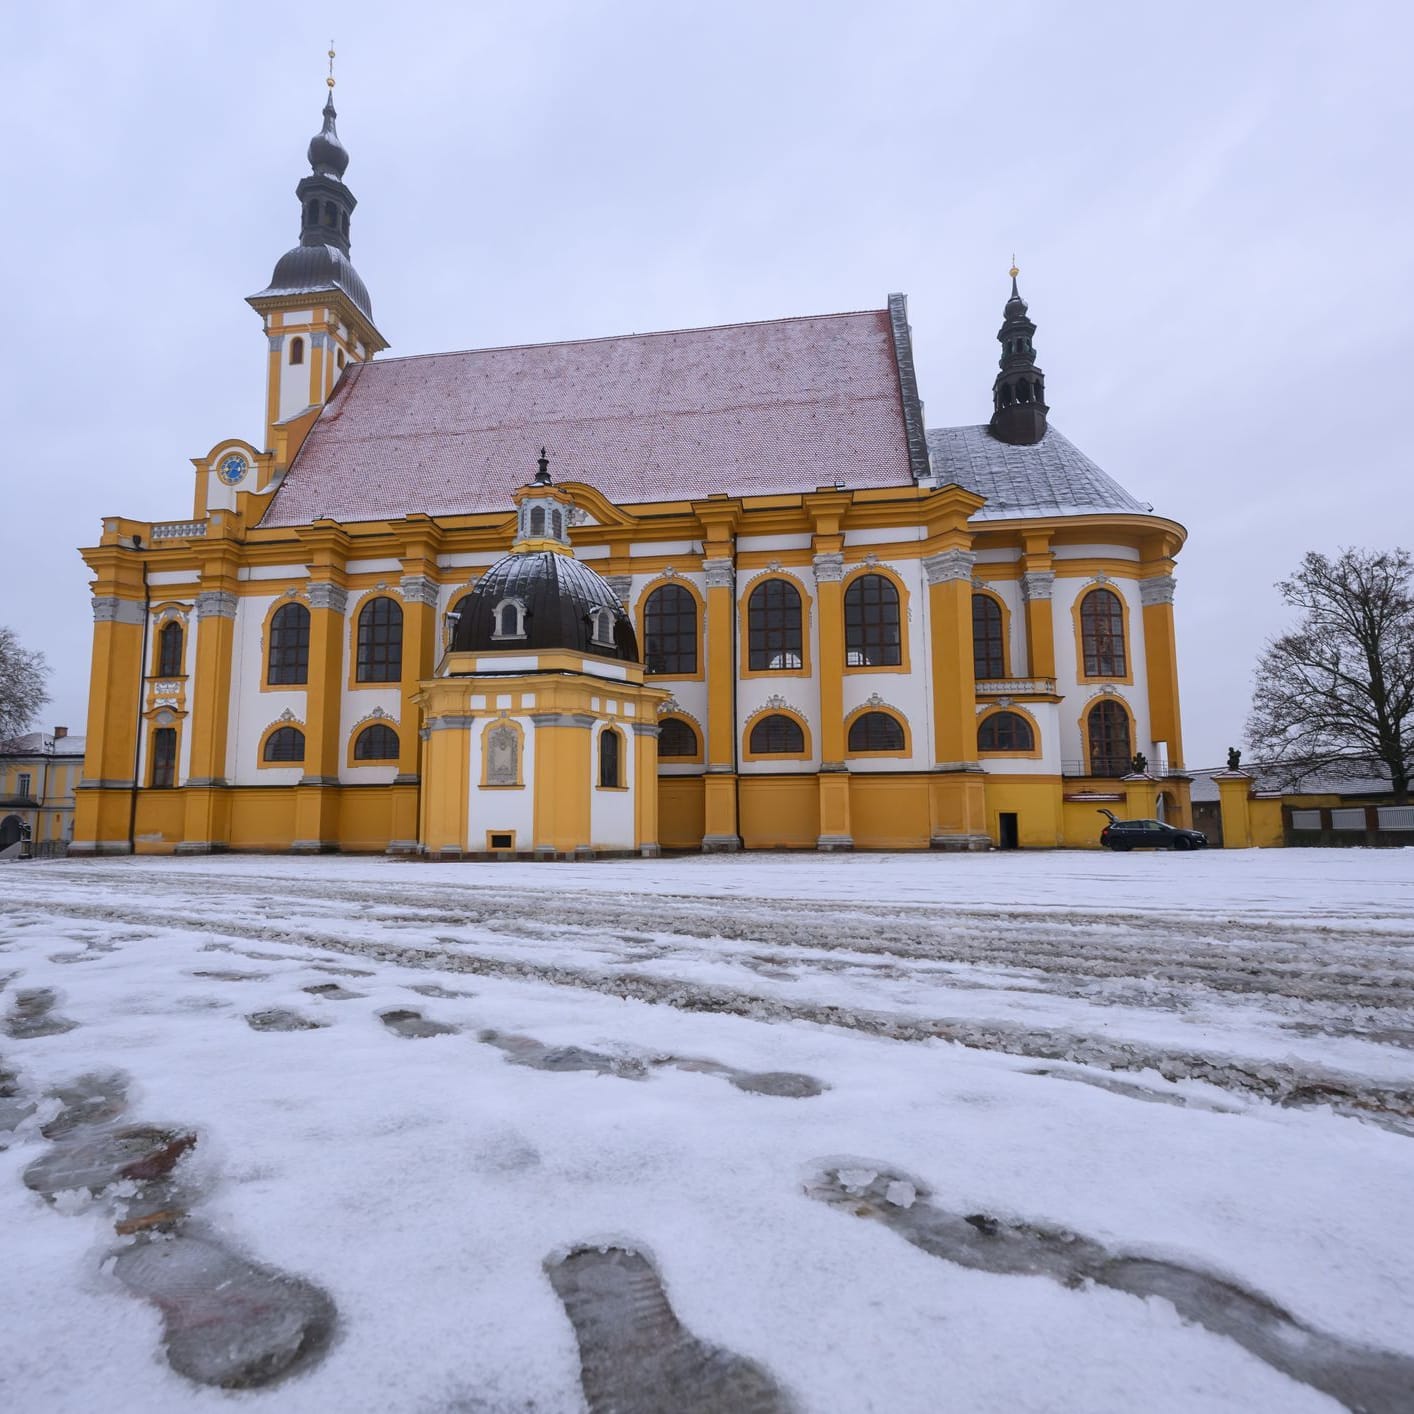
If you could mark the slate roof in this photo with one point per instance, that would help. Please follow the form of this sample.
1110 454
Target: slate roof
783 406
42 744
1054 477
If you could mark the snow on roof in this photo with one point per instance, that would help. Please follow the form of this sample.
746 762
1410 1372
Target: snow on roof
783 406
1054 477
1352 779
42 744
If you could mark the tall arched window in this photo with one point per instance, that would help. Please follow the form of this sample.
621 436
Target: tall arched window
876 731
380 641
871 623
376 743
285 744
1005 731
676 738
773 627
610 758
776 735
988 642
537 520
289 646
169 650
1102 634
296 350
1107 728
670 631
601 626
509 619
164 758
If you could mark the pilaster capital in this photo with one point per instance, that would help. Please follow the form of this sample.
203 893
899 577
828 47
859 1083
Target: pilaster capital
216 604
948 565
721 573
829 567
419 589
109 609
1158 590
324 594
1038 584
622 585
277 342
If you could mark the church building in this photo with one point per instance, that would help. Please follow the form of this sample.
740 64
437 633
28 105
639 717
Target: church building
705 589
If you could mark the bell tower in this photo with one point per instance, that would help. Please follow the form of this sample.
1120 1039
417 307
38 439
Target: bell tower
1019 392
317 314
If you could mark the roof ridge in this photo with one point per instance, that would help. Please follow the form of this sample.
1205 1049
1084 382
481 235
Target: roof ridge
615 338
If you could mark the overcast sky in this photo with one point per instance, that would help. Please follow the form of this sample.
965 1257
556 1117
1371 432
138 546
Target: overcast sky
1210 205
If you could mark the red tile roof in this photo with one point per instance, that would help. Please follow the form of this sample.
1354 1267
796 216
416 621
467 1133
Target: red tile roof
786 405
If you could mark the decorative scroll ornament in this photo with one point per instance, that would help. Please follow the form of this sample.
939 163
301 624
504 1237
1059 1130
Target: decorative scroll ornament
776 702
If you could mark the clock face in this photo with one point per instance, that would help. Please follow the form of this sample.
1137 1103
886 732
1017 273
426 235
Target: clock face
233 470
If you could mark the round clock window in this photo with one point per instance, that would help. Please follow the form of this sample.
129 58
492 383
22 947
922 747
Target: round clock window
233 470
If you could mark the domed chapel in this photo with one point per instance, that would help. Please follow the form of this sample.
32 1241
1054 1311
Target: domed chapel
743 598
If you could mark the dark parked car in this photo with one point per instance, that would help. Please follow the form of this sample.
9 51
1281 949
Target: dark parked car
1149 834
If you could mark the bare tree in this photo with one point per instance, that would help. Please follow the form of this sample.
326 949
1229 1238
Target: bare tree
1339 689
23 676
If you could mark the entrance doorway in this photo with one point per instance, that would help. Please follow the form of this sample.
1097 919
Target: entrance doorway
9 831
1010 835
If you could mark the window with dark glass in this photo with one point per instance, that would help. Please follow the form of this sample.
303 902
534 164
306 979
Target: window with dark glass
289 645
1005 731
876 731
609 756
773 627
776 735
670 631
676 738
164 757
169 650
296 350
380 642
1102 634
988 645
871 623
376 743
537 520
1108 731
285 744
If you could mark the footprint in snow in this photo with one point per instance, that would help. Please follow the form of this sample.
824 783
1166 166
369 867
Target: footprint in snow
435 989
33 1016
333 992
636 1356
279 1019
526 1050
788 1084
413 1026
1364 1379
230 976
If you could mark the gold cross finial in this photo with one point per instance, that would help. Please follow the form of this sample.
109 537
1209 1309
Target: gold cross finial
1014 271
330 79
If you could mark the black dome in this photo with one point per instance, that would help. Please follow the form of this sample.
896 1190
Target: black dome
308 269
558 593
327 155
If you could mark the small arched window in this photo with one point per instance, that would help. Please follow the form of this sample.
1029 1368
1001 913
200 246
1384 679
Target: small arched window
601 627
376 743
380 641
876 731
610 758
1005 731
537 520
331 214
169 650
285 744
1102 634
509 618
988 642
676 738
164 758
670 631
776 735
1107 729
871 623
773 627
557 525
296 350
311 214
289 646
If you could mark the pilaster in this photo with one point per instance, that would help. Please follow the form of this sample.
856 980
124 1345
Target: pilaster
1037 588
1161 664
645 804
827 510
718 517
204 826
419 589
1235 802
563 780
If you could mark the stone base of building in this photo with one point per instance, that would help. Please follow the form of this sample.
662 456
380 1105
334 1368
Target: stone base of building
957 844
720 844
827 843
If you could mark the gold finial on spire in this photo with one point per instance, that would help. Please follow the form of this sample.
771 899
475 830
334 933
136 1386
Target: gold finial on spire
330 79
1014 271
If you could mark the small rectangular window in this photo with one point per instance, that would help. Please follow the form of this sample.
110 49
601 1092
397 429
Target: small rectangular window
506 841
24 785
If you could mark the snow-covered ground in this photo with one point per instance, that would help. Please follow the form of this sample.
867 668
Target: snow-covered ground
938 1108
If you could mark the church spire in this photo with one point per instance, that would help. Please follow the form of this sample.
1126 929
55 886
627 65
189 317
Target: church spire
1019 392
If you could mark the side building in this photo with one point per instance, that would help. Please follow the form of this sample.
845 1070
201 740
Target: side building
855 631
39 773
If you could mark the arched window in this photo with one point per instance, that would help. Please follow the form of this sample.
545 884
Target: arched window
776 735
164 758
376 743
773 630
331 214
380 642
871 623
453 615
610 758
676 738
670 631
988 644
1108 733
509 618
289 646
1102 634
537 520
169 650
601 627
311 214
876 731
284 744
1005 731
296 350
557 525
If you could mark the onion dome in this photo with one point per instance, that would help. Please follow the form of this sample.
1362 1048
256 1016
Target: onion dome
1019 391
327 155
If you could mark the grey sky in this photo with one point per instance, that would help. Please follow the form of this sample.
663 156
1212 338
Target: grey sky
1211 208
